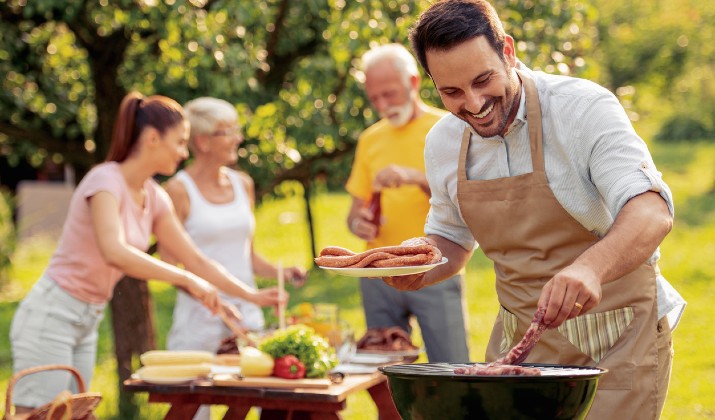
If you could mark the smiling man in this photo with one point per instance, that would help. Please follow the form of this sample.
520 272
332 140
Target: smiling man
547 174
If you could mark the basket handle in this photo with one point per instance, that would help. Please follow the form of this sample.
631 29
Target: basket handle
16 377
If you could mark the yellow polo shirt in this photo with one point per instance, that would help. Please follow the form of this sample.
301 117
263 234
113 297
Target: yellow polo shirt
404 209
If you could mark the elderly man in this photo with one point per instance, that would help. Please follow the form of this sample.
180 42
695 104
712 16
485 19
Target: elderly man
390 160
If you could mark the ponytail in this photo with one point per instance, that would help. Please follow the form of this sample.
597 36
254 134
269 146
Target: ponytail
136 113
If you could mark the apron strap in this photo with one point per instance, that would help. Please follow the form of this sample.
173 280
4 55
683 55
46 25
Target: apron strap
462 166
533 115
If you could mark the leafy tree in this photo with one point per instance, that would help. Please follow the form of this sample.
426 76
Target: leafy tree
659 57
288 65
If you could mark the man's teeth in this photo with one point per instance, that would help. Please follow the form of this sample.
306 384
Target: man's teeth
485 112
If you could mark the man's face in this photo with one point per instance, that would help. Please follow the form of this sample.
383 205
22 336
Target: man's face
476 85
391 97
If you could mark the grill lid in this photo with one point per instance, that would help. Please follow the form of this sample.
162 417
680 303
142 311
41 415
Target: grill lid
447 370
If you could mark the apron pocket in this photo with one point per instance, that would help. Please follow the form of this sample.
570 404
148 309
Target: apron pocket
595 334
509 321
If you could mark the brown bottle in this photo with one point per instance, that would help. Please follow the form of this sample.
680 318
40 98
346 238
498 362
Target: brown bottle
375 209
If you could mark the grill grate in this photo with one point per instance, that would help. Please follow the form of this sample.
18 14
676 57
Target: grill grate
447 369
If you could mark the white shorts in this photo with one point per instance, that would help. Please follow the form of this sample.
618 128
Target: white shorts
52 327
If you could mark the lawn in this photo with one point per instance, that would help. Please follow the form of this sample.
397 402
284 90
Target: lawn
688 253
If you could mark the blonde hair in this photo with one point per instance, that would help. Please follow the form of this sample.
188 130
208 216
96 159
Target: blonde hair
400 57
205 114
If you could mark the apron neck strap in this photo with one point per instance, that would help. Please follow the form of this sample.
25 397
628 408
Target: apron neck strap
533 115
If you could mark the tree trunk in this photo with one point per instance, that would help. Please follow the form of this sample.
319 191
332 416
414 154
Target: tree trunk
134 333
309 216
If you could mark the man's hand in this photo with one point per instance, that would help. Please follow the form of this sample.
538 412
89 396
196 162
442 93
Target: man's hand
395 176
405 283
361 226
571 292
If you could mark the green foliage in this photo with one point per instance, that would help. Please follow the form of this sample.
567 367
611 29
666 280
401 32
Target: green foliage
683 128
290 67
7 236
659 58
301 341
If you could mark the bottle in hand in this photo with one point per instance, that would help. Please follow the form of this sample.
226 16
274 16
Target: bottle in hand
375 209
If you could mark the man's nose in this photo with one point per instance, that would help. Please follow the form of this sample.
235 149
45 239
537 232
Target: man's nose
473 102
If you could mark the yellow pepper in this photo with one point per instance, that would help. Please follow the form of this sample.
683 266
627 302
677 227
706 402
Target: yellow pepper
254 362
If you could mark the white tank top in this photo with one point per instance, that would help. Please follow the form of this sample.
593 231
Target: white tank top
224 233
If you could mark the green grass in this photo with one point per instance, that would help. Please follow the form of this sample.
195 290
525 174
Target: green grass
688 253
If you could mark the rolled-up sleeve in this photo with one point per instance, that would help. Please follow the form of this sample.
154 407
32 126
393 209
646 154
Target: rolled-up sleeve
444 218
620 164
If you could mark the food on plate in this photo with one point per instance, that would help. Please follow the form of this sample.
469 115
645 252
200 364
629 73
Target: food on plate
175 357
386 339
301 341
255 362
289 367
415 251
174 371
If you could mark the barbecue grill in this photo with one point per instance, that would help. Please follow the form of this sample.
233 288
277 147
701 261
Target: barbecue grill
434 391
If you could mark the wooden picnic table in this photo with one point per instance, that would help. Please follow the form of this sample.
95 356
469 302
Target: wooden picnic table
275 403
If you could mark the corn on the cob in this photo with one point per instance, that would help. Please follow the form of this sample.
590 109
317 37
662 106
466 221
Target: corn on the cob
175 357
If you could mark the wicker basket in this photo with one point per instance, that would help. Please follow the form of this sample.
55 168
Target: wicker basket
65 406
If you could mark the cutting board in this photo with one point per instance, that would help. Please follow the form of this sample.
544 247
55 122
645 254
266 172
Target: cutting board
269 382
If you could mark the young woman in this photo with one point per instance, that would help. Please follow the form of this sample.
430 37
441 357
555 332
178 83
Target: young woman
112 215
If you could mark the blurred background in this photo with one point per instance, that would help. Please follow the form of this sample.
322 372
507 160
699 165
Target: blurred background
289 67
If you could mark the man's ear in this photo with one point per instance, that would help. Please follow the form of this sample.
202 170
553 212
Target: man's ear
509 50
415 82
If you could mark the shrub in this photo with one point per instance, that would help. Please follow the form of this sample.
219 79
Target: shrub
7 235
683 128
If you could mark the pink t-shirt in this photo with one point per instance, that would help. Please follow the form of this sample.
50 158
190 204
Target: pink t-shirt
77 264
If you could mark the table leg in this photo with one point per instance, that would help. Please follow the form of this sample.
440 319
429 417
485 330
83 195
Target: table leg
298 415
182 411
386 409
236 412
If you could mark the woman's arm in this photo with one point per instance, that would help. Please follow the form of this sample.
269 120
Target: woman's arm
177 243
261 266
110 237
182 203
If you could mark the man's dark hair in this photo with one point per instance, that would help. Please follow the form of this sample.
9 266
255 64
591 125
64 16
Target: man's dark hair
450 22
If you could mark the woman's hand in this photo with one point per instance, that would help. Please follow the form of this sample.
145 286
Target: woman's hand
203 291
295 275
269 296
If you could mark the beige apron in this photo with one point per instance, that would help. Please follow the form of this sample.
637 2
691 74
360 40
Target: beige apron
524 230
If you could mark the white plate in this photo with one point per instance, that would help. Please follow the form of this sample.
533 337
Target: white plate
393 354
354 369
385 271
230 370
370 359
167 380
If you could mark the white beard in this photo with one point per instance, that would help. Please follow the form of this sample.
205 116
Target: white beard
399 115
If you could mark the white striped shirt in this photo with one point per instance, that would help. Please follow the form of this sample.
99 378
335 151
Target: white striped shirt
595 162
